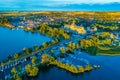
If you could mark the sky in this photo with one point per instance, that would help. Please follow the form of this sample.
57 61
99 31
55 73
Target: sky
59 5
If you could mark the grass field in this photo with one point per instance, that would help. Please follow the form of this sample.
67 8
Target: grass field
110 51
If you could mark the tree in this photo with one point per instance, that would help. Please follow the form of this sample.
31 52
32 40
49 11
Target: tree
45 44
77 46
62 50
28 68
19 68
14 72
70 44
24 50
18 78
83 43
52 52
27 51
94 40
66 36
9 57
105 34
4 20
88 67
34 59
53 32
106 41
34 72
81 69
45 58
16 56
36 47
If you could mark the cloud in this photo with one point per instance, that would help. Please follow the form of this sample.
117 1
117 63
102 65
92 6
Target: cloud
67 2
61 1
83 1
51 4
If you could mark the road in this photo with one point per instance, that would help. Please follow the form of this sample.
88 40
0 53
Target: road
6 68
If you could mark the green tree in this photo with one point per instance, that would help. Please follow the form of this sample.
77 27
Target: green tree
18 78
4 20
36 47
28 68
105 34
34 60
9 57
52 52
88 67
77 46
16 56
45 44
14 72
62 50
34 72
24 50
81 69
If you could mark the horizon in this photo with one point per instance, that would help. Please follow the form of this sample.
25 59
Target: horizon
56 5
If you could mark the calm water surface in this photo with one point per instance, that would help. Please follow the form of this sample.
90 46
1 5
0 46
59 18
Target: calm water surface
12 41
110 70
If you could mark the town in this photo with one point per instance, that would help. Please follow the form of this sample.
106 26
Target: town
73 35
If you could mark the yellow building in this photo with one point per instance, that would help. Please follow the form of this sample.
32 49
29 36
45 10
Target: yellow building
79 29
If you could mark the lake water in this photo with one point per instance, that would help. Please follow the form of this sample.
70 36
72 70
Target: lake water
12 41
110 70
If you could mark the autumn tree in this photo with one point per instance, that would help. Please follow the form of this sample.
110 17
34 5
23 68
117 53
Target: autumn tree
62 50
45 58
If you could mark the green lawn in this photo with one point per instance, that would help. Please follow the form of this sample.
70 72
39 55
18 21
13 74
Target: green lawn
95 50
110 51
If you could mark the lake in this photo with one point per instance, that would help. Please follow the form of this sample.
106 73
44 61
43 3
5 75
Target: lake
12 41
110 70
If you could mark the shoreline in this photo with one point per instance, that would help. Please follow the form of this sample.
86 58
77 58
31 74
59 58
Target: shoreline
8 26
105 54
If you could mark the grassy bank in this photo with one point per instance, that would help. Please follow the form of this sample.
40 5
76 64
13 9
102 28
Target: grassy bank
7 25
108 51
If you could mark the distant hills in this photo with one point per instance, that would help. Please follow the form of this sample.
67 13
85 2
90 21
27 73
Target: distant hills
68 7
93 7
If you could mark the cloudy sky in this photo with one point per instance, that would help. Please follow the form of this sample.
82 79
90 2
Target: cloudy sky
54 4
80 1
